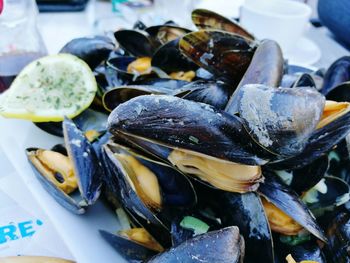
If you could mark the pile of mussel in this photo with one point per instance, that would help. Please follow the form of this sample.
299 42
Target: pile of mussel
215 148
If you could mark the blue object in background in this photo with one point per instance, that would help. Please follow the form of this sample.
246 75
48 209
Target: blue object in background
335 14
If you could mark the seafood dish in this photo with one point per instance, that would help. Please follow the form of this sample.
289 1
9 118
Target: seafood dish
209 146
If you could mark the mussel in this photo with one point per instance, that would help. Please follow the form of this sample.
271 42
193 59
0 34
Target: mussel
266 68
132 241
93 50
153 190
339 238
225 245
193 132
336 74
280 120
223 54
61 175
206 19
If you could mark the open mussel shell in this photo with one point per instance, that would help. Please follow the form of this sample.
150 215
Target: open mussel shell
123 193
223 54
321 141
215 93
53 128
129 249
280 120
93 50
117 71
206 19
169 58
224 245
336 74
135 42
81 167
266 68
166 33
175 188
288 201
203 92
132 241
112 98
247 213
328 194
147 187
304 178
85 162
88 120
184 124
338 234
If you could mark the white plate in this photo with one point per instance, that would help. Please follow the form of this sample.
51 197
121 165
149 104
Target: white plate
305 53
79 232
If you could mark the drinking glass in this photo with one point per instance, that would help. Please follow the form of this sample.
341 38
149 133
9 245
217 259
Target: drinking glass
21 41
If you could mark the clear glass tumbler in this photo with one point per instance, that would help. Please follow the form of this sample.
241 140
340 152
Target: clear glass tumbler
21 41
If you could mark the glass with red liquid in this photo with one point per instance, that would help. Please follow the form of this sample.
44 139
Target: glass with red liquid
21 42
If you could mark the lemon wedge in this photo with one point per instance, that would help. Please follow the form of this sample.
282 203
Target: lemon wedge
49 89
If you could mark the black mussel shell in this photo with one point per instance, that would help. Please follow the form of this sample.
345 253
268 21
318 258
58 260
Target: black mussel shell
206 19
86 165
93 50
112 98
321 141
176 188
53 128
176 191
170 59
338 234
176 122
224 245
87 120
288 201
302 179
135 42
223 54
246 211
60 148
336 74
121 190
130 250
340 93
214 93
304 80
280 120
266 68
